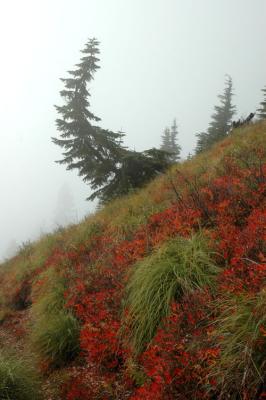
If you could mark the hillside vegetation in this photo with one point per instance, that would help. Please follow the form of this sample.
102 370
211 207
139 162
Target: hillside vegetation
159 295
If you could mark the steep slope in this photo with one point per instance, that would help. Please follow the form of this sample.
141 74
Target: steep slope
160 295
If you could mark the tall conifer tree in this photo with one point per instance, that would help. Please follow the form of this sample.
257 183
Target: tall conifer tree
98 154
87 147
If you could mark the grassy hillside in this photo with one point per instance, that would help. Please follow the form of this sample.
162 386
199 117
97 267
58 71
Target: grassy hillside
160 295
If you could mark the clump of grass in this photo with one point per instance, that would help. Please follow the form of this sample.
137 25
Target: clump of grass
57 338
240 332
55 331
179 267
135 371
18 381
17 273
48 293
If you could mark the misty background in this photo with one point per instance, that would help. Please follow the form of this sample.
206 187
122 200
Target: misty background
160 60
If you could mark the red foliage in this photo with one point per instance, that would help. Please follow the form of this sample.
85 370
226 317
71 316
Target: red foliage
173 371
232 210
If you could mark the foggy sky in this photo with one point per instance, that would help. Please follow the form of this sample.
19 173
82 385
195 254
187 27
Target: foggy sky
160 60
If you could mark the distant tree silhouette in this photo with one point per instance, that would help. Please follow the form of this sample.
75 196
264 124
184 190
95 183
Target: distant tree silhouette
65 209
221 119
261 112
169 143
166 140
202 142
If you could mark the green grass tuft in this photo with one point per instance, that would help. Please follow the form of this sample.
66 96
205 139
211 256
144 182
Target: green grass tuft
179 267
55 331
240 332
56 339
48 297
18 381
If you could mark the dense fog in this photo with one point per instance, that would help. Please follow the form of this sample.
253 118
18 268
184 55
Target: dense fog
160 60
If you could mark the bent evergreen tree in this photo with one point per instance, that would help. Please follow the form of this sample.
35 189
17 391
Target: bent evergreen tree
98 154
87 147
